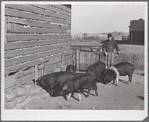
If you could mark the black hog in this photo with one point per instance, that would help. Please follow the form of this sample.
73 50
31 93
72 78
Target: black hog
121 69
125 68
110 75
52 81
70 68
97 69
78 83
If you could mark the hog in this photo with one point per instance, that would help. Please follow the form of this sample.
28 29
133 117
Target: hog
70 68
110 75
120 69
97 69
78 83
52 81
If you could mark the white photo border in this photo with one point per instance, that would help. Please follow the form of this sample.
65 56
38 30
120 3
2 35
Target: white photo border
88 115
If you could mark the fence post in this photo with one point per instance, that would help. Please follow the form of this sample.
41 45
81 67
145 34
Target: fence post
78 60
36 72
42 73
62 65
45 69
71 57
99 56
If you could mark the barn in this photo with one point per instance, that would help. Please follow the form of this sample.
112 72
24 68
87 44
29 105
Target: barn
136 31
37 42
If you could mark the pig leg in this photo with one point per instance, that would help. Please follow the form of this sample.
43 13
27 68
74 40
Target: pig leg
130 78
89 89
95 88
116 81
117 78
50 90
69 95
96 91
79 95
65 97
112 82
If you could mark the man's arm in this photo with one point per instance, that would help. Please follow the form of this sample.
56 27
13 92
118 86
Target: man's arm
116 47
103 49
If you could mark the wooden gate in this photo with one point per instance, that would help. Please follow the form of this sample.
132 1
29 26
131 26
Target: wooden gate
87 59
86 54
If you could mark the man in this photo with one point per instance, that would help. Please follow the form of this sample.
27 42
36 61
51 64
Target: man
108 50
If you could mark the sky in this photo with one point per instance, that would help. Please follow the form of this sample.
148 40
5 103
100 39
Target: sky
103 18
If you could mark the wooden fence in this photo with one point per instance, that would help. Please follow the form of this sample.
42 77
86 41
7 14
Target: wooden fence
37 41
85 58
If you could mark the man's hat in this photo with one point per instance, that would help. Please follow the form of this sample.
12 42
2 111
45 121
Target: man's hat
109 35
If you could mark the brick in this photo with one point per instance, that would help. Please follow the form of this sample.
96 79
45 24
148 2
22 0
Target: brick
10 105
20 91
10 81
27 91
20 99
6 104
35 89
27 86
10 97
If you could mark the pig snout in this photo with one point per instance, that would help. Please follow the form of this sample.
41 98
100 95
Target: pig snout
106 80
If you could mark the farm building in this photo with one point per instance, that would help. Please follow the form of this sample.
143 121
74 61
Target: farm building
37 42
136 31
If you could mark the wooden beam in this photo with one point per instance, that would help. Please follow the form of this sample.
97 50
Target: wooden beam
36 72
14 28
23 14
78 60
18 37
18 45
36 10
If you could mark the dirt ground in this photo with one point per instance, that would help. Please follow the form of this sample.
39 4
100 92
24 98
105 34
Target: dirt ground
110 97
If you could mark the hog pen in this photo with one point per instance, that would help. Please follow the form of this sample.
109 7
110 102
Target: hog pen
38 42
